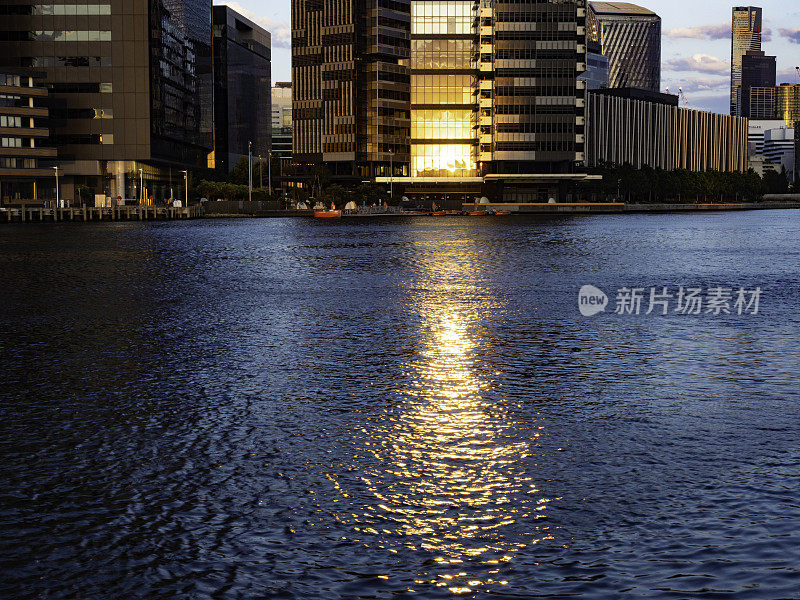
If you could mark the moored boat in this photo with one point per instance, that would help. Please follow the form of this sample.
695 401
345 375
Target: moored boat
328 214
502 212
478 213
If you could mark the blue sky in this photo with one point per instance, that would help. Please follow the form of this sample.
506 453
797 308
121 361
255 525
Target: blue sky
695 53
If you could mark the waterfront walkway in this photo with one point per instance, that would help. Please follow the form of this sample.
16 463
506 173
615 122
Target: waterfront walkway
84 213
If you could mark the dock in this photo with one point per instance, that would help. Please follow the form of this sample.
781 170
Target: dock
89 213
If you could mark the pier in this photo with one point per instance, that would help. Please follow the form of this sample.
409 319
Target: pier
87 213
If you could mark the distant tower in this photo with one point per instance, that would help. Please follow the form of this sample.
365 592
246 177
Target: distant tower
630 36
746 36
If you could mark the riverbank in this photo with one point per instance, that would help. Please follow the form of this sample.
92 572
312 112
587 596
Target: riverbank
153 213
621 208
94 214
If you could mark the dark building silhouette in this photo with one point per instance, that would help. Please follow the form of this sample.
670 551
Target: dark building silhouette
242 88
131 85
758 71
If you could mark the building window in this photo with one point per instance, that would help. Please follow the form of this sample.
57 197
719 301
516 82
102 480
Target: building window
10 121
10 142
11 80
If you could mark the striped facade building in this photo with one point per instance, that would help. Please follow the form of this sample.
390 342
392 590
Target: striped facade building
658 133
630 36
350 74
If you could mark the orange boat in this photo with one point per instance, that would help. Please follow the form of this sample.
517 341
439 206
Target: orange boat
477 213
502 212
415 212
439 213
328 214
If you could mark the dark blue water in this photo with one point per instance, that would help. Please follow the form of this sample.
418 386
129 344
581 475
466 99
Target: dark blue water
409 408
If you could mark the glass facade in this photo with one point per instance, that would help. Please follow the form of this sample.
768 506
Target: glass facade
242 88
443 88
746 36
630 37
787 103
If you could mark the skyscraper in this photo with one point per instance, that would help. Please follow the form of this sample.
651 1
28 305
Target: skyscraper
746 36
630 36
126 77
758 71
350 75
242 88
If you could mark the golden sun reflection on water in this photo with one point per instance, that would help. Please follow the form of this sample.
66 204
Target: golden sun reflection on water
446 466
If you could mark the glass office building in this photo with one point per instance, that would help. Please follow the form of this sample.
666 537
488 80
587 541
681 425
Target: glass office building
493 95
443 88
630 37
127 89
242 88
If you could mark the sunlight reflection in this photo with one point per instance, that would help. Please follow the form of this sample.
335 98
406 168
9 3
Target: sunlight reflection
448 466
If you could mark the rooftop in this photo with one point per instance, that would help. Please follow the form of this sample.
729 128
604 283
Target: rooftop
619 8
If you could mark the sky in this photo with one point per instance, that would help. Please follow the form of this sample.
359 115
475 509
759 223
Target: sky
695 54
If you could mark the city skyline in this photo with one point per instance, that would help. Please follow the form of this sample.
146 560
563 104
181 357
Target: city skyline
695 43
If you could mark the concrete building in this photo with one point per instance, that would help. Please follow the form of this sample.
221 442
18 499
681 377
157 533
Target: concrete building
745 36
630 126
779 149
630 37
131 86
757 131
282 120
242 88
758 71
26 161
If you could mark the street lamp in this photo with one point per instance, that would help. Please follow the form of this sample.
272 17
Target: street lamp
260 173
186 181
141 187
58 200
269 174
391 174
250 171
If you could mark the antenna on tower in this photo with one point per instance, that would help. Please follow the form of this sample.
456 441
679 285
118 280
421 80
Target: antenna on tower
798 72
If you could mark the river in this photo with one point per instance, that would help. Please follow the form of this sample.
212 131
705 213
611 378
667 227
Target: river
399 408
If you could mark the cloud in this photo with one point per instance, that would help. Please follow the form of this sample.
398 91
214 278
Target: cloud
700 63
701 85
793 35
788 75
281 31
701 32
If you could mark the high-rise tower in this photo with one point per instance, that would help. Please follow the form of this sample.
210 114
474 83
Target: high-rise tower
350 75
746 36
630 36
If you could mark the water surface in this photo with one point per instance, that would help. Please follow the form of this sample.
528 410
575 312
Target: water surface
397 408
